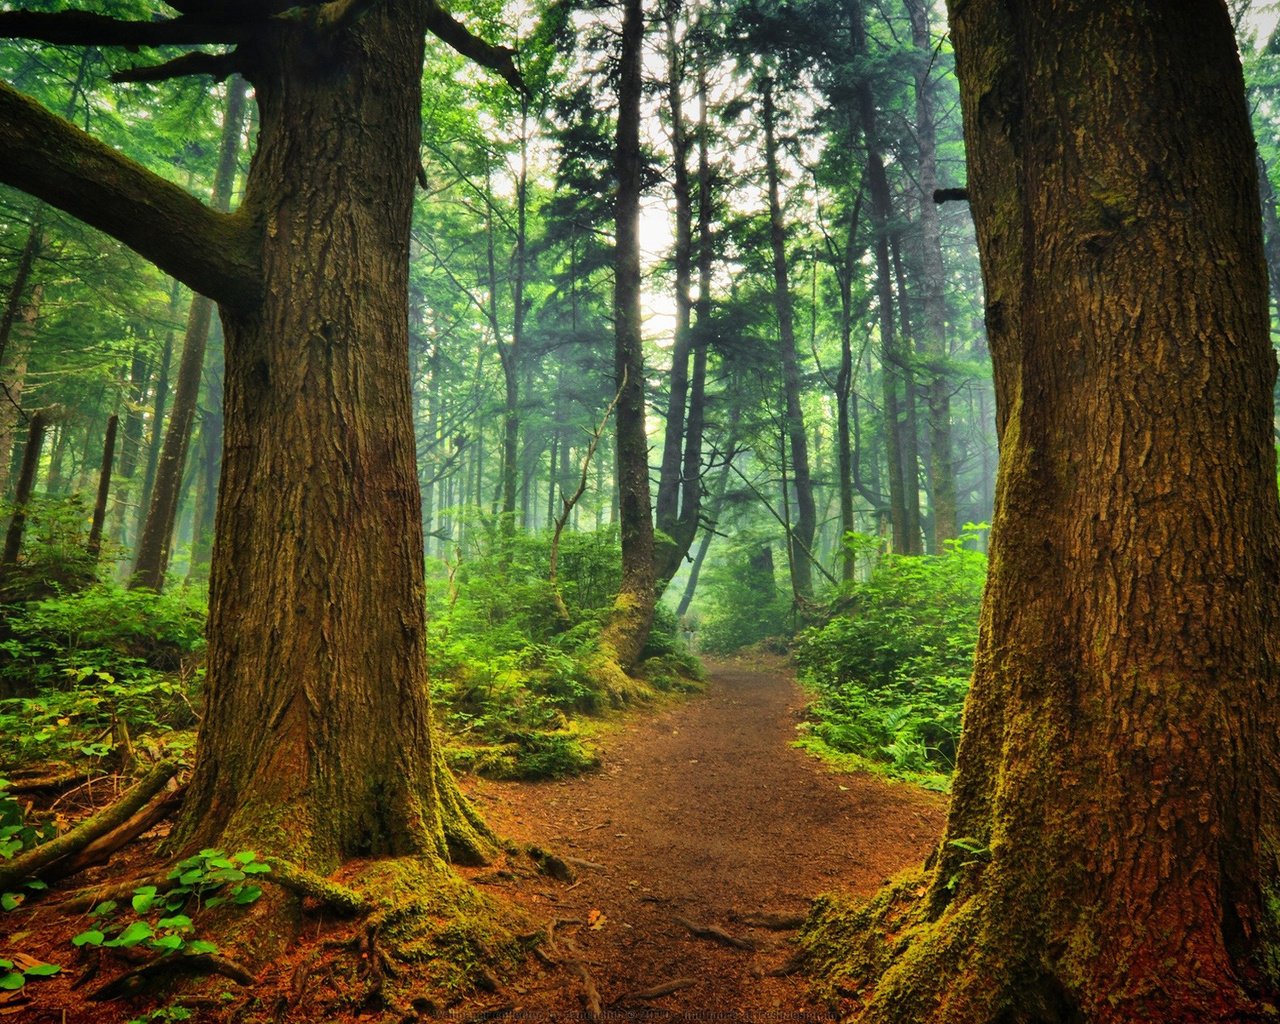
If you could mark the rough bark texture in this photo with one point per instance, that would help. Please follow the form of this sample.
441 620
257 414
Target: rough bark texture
316 743
1111 850
628 629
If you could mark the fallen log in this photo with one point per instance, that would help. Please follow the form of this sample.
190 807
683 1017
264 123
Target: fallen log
100 850
37 859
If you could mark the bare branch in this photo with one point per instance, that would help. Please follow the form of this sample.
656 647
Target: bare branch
83 28
218 66
214 253
445 27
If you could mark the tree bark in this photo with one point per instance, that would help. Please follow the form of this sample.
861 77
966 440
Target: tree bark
806 520
674 544
1110 853
104 487
22 496
632 616
316 743
157 530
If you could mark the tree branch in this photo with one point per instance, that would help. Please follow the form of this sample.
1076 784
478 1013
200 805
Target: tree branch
218 66
214 253
445 27
83 28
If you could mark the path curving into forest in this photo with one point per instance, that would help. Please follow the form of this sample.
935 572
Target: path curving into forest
703 813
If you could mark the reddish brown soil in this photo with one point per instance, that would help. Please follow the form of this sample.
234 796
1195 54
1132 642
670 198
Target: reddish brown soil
703 812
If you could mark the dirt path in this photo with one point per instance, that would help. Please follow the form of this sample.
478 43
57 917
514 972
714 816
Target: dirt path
702 812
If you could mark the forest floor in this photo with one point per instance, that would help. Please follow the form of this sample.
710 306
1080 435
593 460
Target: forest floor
702 818
703 814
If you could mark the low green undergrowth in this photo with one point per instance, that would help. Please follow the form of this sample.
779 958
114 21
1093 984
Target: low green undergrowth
511 674
890 667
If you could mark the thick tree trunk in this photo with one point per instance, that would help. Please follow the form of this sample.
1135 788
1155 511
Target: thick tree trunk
632 617
316 742
157 530
1111 850
800 538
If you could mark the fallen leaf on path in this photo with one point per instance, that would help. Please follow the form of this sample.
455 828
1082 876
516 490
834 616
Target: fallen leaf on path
596 920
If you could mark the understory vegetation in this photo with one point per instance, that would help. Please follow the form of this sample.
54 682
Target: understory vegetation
93 679
890 667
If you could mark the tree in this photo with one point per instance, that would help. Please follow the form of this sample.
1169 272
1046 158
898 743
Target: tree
1110 853
628 629
316 740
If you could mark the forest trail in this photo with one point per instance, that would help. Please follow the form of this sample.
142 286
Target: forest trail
701 812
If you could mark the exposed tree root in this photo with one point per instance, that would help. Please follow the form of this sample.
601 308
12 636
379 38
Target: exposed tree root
714 934
306 883
468 839
590 993
40 858
99 851
665 989
138 978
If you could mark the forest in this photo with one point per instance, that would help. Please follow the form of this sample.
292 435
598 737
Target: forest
639 509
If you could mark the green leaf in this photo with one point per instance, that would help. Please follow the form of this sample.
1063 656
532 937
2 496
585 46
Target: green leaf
256 868
217 901
143 902
35 885
103 908
245 857
92 937
132 935
192 877
12 981
196 946
246 894
10 901
43 971
178 921
167 943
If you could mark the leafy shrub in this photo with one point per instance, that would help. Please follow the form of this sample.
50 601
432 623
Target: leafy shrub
105 628
892 667
98 665
54 554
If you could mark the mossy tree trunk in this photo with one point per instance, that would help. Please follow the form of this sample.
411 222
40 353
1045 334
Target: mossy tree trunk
1111 849
627 631
316 742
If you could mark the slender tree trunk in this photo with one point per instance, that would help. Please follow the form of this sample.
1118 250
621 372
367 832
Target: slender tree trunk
157 531
316 741
1110 854
22 496
17 309
161 400
932 332
673 545
806 518
909 428
104 488
628 628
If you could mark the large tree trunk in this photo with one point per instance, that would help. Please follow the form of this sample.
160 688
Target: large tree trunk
316 741
800 537
1110 854
628 628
